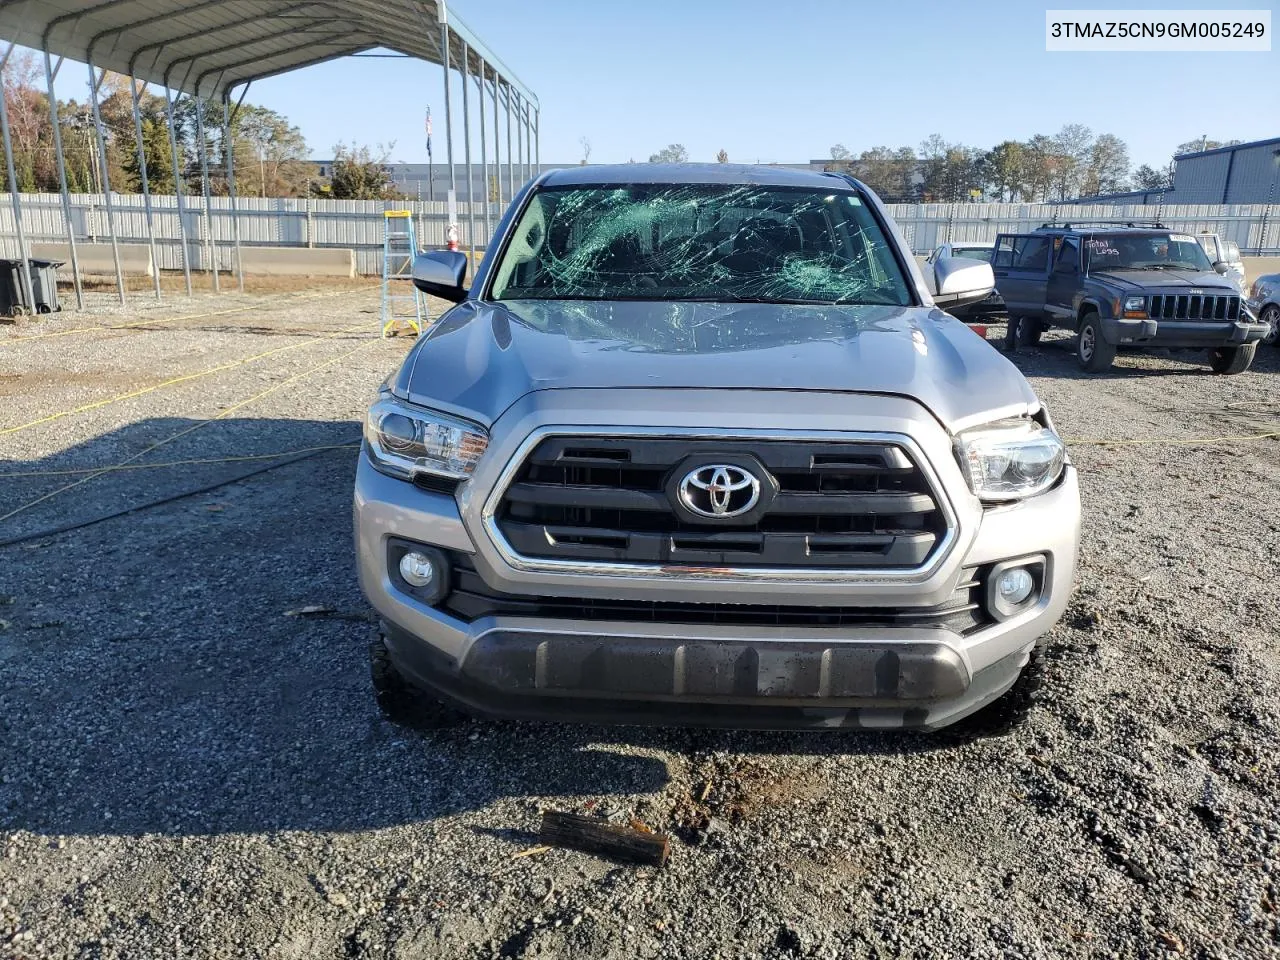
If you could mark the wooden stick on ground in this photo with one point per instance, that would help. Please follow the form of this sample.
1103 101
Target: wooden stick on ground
593 835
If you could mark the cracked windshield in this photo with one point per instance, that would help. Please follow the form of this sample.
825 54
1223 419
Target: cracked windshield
699 242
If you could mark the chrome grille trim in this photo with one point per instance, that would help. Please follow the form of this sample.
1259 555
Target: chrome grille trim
658 572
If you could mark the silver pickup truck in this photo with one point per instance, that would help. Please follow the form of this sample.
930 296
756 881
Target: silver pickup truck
698 446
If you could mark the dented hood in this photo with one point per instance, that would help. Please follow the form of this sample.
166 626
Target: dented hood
483 356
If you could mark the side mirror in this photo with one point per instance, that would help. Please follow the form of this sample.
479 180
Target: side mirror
957 281
1221 266
441 273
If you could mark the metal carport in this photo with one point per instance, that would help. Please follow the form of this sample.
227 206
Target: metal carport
209 48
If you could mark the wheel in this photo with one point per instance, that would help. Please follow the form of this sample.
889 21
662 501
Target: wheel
1271 317
1029 332
1009 711
400 701
1229 360
1092 351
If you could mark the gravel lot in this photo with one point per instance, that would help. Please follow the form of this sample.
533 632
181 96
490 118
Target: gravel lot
187 771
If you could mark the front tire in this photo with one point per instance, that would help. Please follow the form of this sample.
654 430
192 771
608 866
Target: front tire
400 701
1271 317
1010 710
1029 332
1231 360
1093 353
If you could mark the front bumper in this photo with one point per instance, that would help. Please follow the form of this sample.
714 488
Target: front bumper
1181 333
589 670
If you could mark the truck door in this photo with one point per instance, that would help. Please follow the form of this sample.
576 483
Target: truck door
1064 283
1021 267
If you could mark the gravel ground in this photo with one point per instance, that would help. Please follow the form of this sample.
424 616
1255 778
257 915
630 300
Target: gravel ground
187 771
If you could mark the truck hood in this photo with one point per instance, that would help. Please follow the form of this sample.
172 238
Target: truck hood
1165 280
483 356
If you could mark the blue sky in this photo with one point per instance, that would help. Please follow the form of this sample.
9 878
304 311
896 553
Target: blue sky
782 82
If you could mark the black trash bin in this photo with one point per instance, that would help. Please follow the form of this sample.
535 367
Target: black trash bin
11 298
44 286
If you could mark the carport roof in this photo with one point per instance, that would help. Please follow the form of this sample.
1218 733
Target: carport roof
210 46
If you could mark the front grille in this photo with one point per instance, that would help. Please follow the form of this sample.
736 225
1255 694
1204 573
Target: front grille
1184 306
854 504
470 598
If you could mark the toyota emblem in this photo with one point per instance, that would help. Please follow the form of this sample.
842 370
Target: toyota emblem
720 491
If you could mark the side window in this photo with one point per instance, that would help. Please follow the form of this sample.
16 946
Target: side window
1032 253
1068 257
1233 252
1003 256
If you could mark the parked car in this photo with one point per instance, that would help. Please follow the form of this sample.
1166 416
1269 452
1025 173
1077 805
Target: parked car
1123 286
989 309
697 445
1218 251
1264 303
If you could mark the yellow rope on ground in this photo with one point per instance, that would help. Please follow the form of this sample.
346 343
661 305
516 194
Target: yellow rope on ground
97 328
172 382
178 463
203 423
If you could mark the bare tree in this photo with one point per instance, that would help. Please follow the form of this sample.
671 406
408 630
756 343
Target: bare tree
675 153
586 150
722 156
1108 169
1073 146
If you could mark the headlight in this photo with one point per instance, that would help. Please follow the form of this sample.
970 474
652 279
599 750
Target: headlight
1135 303
1010 459
404 441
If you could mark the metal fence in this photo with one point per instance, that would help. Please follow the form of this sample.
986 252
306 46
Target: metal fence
351 224
358 224
928 225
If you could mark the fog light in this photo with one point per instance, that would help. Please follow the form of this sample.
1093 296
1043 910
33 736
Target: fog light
417 569
1014 585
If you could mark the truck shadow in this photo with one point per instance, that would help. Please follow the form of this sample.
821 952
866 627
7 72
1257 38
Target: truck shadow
157 674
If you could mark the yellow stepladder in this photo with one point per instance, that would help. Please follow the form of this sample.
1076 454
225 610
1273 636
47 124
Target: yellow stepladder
399 247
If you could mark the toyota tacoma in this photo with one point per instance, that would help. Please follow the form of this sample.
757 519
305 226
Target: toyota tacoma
699 446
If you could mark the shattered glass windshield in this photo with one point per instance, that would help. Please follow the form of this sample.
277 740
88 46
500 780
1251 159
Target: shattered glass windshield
724 243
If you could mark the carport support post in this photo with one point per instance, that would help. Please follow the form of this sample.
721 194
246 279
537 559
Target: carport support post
520 177
94 82
537 142
528 141
511 172
14 198
229 152
448 100
497 159
62 179
203 149
146 189
466 152
177 188
484 154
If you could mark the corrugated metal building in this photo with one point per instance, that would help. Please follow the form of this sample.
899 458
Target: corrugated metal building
1242 173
